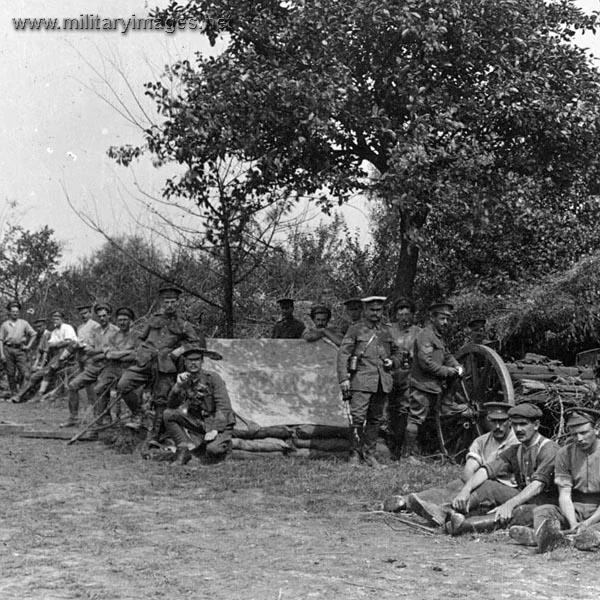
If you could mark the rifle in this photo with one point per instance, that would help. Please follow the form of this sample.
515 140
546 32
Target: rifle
105 412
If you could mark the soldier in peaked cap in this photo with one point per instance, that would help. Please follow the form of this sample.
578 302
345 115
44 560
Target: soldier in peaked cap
365 361
161 342
577 476
199 404
433 504
16 335
531 461
432 365
288 327
353 308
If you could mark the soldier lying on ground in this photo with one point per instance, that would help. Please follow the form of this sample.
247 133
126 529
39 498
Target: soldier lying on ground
198 404
434 504
577 476
531 462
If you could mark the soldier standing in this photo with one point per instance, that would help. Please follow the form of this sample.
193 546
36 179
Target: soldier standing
432 364
15 335
199 403
288 327
321 315
164 333
365 362
404 331
353 313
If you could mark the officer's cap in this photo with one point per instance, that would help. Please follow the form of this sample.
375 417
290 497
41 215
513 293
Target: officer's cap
526 410
477 322
403 302
103 306
58 313
580 416
13 303
285 301
199 351
355 300
373 300
497 410
442 308
40 320
125 311
82 307
320 309
168 290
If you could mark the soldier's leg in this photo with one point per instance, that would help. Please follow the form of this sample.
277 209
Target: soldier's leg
107 380
419 403
85 379
398 403
131 379
359 405
220 447
491 494
28 390
11 368
23 367
177 422
375 417
162 386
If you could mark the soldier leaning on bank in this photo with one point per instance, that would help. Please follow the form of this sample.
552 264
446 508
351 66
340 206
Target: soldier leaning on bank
431 366
371 346
166 332
288 327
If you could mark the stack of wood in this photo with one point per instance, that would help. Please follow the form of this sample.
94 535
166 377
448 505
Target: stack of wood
299 440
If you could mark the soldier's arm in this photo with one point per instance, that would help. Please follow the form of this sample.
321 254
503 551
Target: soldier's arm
176 396
565 502
461 501
333 335
313 334
424 352
450 360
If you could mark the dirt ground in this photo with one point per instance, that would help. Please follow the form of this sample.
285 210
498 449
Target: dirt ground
82 521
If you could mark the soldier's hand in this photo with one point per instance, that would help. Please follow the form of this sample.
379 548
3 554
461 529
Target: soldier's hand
503 512
345 386
182 377
460 370
461 502
211 435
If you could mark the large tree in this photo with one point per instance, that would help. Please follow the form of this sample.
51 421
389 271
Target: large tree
437 107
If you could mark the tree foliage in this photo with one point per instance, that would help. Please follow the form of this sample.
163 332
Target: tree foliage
461 106
28 260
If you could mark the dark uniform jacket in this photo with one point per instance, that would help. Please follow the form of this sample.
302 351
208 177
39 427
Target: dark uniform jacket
288 329
370 367
162 335
405 340
207 399
432 362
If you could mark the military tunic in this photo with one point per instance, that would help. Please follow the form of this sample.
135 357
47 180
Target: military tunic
153 362
200 405
288 329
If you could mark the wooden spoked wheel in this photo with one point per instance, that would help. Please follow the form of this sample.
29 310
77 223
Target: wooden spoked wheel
459 414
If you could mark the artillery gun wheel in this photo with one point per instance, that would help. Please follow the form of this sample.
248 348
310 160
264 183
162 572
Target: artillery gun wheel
486 379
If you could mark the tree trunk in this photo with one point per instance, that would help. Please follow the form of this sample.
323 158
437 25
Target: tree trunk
228 281
406 270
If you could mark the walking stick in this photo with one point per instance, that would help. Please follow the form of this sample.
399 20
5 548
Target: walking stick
105 412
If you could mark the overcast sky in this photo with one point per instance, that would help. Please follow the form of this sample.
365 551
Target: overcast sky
57 130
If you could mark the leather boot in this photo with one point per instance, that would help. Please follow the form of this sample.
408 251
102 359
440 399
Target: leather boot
355 446
410 448
588 539
550 537
183 456
434 513
459 524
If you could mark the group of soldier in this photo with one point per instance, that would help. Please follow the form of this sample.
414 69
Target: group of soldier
513 475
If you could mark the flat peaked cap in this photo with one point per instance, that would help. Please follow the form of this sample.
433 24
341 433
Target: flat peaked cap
58 313
403 302
103 306
191 350
320 309
285 301
353 300
443 308
580 416
13 303
527 410
40 320
87 306
125 311
497 409
372 299
168 290
477 322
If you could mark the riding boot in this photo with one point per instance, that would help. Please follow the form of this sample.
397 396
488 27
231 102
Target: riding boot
410 448
459 524
73 403
398 426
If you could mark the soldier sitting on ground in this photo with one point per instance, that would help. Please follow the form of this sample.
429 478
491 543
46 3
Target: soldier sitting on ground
577 476
321 315
198 404
434 504
531 462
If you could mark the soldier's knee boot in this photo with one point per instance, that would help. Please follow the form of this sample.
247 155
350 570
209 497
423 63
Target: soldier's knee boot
410 447
459 524
73 402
